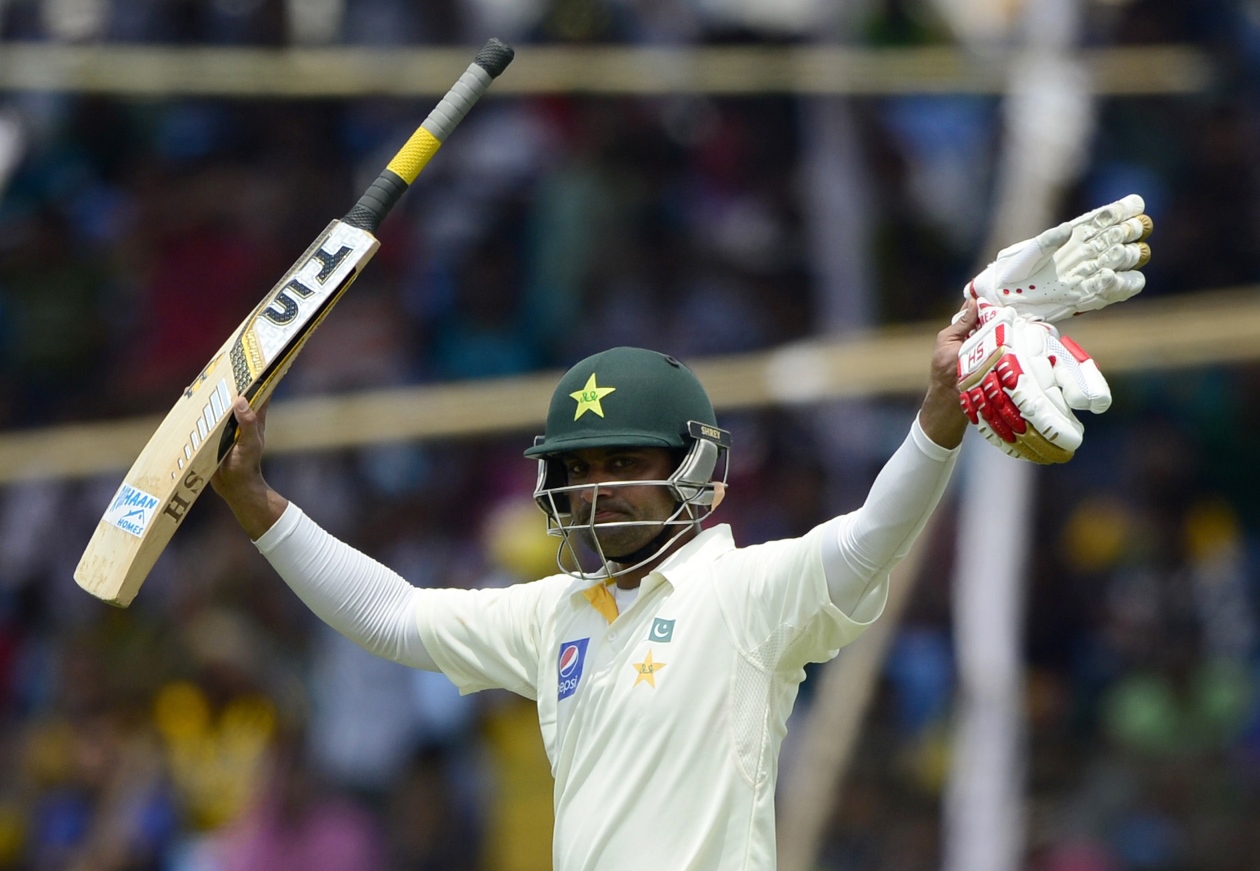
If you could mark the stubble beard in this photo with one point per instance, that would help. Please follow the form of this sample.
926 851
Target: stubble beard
617 542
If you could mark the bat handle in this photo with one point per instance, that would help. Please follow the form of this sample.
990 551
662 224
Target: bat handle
376 202
394 180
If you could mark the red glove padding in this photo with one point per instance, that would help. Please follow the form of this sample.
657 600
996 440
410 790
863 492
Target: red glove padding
1018 382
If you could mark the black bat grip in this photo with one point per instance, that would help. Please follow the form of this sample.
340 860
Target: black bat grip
376 201
494 57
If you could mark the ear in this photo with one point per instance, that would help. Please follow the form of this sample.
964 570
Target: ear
719 493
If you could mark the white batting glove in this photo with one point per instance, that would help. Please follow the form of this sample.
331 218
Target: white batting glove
1018 381
1081 265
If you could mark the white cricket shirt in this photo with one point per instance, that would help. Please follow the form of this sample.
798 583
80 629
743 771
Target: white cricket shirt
664 726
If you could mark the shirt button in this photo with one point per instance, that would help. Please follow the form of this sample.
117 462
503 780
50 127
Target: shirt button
612 636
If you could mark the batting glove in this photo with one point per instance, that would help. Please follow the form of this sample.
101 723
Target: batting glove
1018 381
1081 265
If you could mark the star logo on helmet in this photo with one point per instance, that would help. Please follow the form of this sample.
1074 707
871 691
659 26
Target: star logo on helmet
589 396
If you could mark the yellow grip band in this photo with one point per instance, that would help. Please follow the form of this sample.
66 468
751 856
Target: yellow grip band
412 157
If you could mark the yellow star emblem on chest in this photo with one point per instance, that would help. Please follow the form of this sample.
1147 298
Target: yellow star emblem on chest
589 396
647 670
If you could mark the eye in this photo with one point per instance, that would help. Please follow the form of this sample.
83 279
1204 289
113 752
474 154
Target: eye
575 469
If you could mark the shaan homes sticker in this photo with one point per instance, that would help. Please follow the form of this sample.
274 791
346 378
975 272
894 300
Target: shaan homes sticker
131 510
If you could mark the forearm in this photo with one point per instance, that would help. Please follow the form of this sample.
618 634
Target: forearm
354 594
871 540
941 415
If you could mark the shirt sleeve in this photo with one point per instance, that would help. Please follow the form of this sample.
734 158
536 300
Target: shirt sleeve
800 600
775 602
351 592
861 548
486 639
480 639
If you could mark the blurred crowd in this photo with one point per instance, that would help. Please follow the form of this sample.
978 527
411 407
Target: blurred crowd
216 726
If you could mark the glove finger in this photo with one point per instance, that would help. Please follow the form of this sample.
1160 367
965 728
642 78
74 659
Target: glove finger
969 407
1051 240
1122 257
1078 376
1111 214
1128 284
1096 388
1000 404
1049 417
1084 387
1054 237
1098 391
990 415
1108 286
1062 431
992 438
1132 230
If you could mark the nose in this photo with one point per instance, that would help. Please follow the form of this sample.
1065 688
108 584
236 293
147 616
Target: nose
595 491
589 493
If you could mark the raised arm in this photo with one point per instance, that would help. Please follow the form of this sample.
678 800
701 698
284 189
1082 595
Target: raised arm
360 598
868 542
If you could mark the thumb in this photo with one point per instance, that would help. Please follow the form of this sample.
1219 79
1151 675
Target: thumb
250 422
1076 373
1054 238
966 320
244 413
1023 259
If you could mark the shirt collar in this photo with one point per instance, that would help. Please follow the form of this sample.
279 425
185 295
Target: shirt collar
677 567
704 548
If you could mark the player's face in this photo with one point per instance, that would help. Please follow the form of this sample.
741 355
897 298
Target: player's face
620 505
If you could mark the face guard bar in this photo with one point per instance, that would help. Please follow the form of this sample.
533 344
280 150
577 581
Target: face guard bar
692 485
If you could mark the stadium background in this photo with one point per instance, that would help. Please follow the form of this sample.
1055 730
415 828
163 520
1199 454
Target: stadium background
215 724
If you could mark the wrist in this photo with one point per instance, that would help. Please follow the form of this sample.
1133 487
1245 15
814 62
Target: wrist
941 417
255 506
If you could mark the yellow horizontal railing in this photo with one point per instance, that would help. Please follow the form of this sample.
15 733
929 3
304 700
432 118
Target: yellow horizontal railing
155 71
1221 327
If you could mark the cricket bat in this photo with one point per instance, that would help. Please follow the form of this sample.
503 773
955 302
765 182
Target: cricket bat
175 467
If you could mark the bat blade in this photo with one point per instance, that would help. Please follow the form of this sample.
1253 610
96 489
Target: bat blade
175 467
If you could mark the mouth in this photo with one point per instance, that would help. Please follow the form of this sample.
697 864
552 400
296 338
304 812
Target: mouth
600 514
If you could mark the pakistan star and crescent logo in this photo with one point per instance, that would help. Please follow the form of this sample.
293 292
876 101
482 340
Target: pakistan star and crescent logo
647 670
589 396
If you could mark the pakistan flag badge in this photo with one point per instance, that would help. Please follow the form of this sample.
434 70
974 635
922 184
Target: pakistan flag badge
662 630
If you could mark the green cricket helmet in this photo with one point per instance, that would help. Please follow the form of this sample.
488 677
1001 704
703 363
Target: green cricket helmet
630 397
